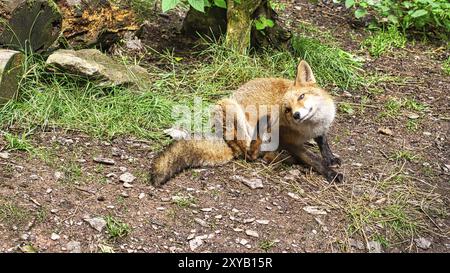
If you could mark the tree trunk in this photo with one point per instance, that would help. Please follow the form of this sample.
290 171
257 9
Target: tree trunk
10 74
239 24
29 24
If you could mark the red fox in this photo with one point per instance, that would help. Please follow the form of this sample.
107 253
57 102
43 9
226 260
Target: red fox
305 111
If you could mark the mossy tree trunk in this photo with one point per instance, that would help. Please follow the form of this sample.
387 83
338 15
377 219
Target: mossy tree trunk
239 23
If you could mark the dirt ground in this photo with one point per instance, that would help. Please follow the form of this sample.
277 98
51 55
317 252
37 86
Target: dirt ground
211 210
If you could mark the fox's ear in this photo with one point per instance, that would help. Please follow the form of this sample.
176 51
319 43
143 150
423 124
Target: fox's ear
304 74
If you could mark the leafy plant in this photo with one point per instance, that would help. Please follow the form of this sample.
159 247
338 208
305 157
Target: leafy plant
262 22
417 14
199 5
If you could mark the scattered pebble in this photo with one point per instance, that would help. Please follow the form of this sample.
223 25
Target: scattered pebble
206 209
253 183
73 247
98 223
314 210
250 220
423 243
104 160
243 242
385 131
141 195
127 178
49 190
123 169
4 155
374 247
252 233
127 185
58 175
293 195
262 222
201 222
124 194
55 237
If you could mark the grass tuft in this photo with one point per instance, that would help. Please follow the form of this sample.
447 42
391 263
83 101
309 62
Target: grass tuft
331 65
383 41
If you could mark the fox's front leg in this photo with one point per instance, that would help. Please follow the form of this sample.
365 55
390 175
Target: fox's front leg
262 126
319 165
328 156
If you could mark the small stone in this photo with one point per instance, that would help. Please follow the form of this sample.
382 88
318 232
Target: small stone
262 222
385 131
252 233
191 236
374 247
314 210
218 217
141 195
253 183
196 243
166 199
4 155
49 190
110 207
54 211
160 208
124 194
243 242
293 195
104 160
423 243
34 177
201 222
98 223
24 237
123 169
110 175
413 116
249 220
127 185
73 247
426 133
55 237
127 178
238 229
206 209
356 244
59 176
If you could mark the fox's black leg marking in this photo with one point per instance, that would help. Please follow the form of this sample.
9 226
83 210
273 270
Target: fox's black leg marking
328 156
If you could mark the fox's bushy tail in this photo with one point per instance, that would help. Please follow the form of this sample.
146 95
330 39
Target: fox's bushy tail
183 154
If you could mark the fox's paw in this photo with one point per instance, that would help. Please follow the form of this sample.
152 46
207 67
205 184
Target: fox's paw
336 177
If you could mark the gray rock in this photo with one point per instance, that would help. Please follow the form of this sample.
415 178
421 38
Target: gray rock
4 155
374 247
253 183
55 237
104 160
95 65
423 243
98 223
73 247
252 233
10 74
127 178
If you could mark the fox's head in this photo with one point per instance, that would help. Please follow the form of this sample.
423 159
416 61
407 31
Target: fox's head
305 101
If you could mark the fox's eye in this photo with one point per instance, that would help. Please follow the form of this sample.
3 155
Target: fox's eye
287 110
302 96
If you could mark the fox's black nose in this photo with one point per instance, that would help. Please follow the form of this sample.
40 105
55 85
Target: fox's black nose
296 115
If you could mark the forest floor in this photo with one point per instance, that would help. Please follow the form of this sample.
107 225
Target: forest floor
396 160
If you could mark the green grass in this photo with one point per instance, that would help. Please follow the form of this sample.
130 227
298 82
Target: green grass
446 66
383 41
184 201
331 65
13 214
18 143
116 228
394 106
404 155
266 245
347 108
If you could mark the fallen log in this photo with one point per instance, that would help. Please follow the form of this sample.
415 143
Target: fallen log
29 24
10 74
